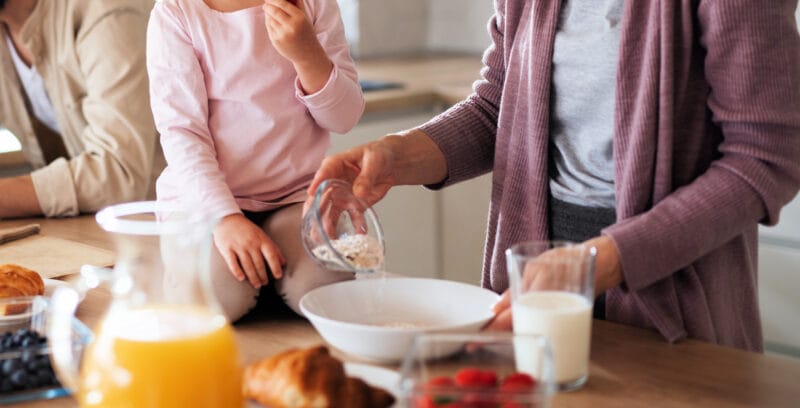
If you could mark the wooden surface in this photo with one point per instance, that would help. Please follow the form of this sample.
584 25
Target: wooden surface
426 81
629 366
64 257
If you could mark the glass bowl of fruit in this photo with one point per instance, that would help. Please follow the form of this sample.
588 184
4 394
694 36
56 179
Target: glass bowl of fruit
25 370
500 370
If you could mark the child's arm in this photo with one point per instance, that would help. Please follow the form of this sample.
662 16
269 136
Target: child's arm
313 40
179 103
293 36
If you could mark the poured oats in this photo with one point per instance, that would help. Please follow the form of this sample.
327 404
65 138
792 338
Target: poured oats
360 251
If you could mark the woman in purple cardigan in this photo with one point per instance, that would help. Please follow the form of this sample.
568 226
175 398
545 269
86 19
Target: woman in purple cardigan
662 132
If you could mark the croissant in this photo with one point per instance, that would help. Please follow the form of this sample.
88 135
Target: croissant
309 378
16 281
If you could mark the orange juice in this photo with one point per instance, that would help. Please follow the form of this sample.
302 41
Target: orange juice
162 356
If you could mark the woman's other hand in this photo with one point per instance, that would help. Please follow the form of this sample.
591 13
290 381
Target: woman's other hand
608 274
244 247
607 265
293 36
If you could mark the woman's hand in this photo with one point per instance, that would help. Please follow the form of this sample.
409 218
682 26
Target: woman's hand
293 36
409 158
368 167
607 265
244 247
608 274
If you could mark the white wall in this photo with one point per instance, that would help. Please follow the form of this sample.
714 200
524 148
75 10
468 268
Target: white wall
377 28
459 25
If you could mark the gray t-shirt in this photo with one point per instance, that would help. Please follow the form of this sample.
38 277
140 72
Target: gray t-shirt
582 102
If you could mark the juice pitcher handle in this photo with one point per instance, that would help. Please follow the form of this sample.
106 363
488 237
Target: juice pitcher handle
64 302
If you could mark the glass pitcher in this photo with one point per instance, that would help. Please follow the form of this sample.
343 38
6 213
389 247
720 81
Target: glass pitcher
163 341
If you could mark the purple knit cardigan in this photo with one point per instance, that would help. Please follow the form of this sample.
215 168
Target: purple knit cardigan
706 146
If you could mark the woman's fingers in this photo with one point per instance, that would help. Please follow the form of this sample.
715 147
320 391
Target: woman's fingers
502 304
501 322
372 184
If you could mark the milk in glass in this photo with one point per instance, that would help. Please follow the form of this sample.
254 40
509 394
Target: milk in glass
566 318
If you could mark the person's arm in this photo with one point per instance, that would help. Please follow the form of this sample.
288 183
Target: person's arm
314 41
373 168
180 108
120 140
466 132
454 146
753 68
18 198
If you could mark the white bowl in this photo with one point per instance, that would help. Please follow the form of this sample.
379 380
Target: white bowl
376 319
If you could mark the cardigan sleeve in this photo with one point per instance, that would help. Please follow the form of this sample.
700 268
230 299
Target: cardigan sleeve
752 65
466 132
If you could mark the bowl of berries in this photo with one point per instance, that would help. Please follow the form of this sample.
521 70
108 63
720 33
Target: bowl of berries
498 370
25 370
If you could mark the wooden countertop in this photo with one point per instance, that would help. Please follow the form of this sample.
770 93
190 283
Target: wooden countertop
629 366
427 81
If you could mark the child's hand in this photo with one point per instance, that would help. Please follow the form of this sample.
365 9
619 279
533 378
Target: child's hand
292 34
244 247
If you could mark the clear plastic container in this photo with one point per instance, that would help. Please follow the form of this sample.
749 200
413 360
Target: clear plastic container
30 313
342 232
477 370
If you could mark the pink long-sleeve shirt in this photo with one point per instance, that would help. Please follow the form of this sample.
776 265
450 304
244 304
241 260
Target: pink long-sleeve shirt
237 131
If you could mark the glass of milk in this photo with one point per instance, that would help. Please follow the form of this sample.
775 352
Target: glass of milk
552 292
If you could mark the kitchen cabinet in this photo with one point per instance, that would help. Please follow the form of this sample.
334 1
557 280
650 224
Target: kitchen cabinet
779 281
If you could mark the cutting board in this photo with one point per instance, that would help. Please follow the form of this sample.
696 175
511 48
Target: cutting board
53 257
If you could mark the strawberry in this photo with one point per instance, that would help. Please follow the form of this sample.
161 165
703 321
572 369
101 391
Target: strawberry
454 404
519 382
488 378
441 382
480 400
424 401
475 377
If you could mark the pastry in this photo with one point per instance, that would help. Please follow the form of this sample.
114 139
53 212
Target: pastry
16 280
309 378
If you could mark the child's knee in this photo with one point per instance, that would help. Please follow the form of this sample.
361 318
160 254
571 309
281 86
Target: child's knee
304 279
236 303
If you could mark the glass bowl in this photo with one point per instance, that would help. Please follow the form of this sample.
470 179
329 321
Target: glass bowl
341 232
478 370
19 316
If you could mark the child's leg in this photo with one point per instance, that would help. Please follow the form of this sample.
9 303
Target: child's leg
301 274
236 298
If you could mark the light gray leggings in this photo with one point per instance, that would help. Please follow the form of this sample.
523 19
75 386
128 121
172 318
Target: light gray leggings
300 274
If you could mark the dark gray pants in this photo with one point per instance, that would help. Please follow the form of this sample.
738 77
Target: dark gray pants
572 222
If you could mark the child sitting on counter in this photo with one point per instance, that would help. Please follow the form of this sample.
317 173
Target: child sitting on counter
244 94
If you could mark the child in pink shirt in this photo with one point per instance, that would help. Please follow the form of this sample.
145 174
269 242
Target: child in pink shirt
244 94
